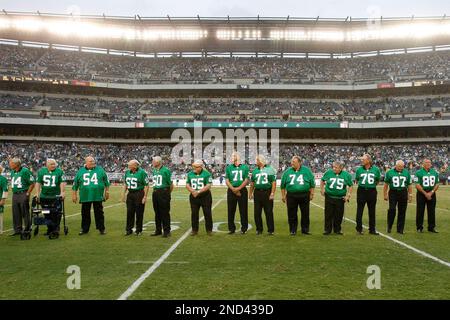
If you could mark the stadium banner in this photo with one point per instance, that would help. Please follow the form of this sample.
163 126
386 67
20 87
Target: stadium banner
80 83
385 85
214 124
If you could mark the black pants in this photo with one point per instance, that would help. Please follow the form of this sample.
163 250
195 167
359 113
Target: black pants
86 216
334 213
295 200
203 201
420 211
363 197
262 201
397 199
21 212
233 201
54 217
161 205
135 210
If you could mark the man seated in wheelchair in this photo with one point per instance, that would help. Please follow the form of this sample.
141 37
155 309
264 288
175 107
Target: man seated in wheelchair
50 194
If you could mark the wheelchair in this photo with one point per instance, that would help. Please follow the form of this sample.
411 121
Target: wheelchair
48 212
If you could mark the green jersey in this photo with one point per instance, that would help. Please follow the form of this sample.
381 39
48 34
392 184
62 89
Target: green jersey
236 174
3 186
50 182
427 179
298 181
368 178
162 178
198 181
21 180
136 180
263 178
91 183
335 184
397 180
3 190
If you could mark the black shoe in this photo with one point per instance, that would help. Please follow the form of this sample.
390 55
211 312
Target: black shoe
360 232
166 235
193 233
258 233
82 233
243 231
400 232
306 233
102 232
339 233
374 233
293 233
138 233
231 232
389 230
154 234
270 233
433 231
128 233
15 234
420 230
326 233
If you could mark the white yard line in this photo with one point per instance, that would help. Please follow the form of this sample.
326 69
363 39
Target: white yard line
146 274
422 253
152 262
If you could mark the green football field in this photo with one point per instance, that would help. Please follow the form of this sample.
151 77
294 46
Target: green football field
413 266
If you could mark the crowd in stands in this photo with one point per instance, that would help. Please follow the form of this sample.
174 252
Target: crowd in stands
237 110
79 65
318 157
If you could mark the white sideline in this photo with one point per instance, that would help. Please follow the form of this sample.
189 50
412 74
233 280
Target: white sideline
146 274
77 214
423 253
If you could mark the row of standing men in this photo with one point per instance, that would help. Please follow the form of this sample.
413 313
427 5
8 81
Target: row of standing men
91 189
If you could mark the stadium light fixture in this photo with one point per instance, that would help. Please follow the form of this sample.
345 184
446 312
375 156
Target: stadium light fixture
81 29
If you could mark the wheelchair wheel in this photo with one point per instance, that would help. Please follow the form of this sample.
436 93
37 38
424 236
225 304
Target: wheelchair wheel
66 230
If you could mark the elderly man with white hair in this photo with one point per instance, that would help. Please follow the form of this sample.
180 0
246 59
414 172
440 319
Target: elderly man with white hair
50 184
198 183
92 183
22 183
236 175
3 196
161 197
398 190
262 189
135 189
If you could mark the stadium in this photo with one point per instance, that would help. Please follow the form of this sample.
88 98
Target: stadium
118 88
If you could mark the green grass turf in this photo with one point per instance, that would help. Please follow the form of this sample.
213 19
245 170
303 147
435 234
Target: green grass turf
228 266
